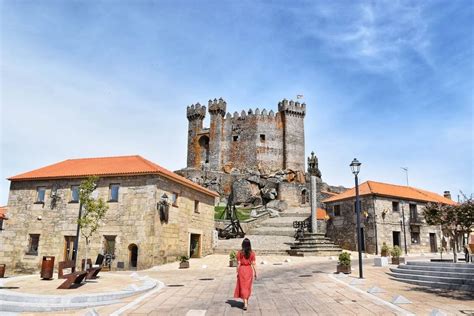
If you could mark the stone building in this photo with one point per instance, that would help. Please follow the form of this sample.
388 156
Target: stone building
260 145
388 214
43 209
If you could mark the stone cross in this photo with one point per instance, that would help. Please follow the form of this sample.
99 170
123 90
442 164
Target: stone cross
314 205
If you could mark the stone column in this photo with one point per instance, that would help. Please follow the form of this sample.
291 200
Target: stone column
314 206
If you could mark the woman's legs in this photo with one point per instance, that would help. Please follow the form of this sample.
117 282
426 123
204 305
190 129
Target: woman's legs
246 302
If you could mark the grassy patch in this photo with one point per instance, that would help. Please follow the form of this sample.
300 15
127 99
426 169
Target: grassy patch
242 213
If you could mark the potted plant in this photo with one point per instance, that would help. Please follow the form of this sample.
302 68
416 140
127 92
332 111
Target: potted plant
396 253
385 250
232 259
183 262
344 264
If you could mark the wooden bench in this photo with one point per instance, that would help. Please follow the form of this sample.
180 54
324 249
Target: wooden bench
71 278
92 272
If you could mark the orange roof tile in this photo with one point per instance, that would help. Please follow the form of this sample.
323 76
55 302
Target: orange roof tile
391 190
106 167
3 212
328 193
321 213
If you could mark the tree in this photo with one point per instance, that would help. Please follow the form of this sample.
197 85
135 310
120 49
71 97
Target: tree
455 220
94 211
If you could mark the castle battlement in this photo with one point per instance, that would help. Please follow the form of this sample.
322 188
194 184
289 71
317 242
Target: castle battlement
217 106
247 138
292 108
196 111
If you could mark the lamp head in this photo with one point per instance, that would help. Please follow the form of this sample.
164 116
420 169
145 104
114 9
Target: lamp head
355 166
164 198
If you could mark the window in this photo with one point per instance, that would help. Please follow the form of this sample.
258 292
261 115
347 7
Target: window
114 192
235 138
262 138
415 238
413 212
196 206
33 244
337 210
174 199
41 191
395 207
109 245
74 193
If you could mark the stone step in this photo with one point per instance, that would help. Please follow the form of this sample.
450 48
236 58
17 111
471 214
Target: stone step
19 307
442 285
273 231
321 253
442 264
313 246
461 269
293 214
434 273
430 278
258 252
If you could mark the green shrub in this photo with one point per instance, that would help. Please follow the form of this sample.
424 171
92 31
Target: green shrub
345 259
232 256
396 252
385 249
183 259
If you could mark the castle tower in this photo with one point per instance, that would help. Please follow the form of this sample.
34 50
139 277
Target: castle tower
198 145
217 110
293 114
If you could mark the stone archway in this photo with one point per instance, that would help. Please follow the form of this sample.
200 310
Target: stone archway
204 149
133 255
304 197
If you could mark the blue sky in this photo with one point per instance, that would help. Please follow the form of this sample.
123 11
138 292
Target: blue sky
388 82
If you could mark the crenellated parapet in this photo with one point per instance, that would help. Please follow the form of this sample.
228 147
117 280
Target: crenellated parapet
250 114
292 108
217 107
196 112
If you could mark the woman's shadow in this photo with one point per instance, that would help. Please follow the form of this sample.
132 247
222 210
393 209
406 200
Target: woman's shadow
234 303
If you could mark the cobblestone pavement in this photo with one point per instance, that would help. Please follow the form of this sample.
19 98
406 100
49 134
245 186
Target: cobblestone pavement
303 286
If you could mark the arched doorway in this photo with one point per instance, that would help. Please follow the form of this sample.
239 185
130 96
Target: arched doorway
304 196
133 255
204 146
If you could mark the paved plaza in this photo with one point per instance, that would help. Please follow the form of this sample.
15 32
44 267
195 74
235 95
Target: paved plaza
302 286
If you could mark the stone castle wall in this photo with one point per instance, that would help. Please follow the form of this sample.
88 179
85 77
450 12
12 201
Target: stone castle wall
253 140
134 219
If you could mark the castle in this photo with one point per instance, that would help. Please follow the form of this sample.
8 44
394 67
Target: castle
255 142
252 140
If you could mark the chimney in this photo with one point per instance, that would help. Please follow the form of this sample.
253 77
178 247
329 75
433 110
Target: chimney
447 194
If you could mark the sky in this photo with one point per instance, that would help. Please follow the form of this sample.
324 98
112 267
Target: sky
388 82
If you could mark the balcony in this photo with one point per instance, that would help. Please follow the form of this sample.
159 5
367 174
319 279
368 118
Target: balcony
415 220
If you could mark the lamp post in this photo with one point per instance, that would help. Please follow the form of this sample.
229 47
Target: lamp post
355 167
76 240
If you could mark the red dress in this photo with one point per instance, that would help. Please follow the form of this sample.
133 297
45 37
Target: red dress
243 288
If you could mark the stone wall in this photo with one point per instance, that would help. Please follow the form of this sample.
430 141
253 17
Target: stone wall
254 140
379 225
134 219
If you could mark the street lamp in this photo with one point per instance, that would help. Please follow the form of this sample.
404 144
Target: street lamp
355 167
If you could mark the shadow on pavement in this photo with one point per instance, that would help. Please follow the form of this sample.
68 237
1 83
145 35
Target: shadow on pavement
459 295
234 303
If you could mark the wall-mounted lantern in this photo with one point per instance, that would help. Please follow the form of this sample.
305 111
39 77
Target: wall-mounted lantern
163 207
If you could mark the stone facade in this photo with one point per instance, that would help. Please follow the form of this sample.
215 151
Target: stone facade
381 222
253 140
133 220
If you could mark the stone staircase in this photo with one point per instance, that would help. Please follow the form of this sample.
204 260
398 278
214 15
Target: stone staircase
450 276
276 236
314 244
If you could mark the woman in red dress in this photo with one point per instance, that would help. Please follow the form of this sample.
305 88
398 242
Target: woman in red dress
245 272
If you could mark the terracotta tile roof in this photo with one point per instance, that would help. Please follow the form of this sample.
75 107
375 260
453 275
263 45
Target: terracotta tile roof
3 212
106 167
391 190
321 213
